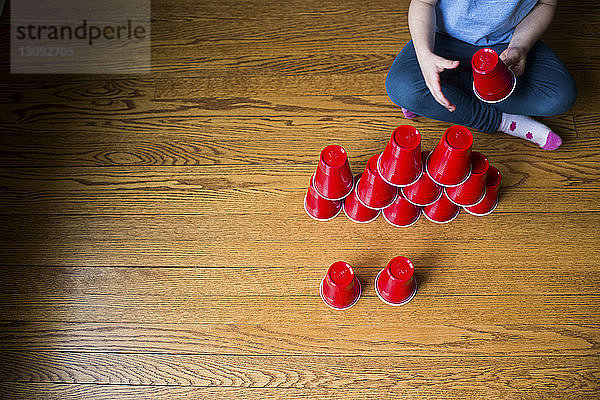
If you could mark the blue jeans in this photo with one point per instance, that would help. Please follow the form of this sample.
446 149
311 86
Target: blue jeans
545 89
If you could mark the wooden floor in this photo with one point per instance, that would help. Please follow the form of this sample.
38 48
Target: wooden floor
154 245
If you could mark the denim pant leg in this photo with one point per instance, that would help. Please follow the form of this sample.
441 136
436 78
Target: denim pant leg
406 87
546 88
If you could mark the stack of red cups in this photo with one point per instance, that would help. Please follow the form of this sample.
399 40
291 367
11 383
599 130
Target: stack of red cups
404 182
329 185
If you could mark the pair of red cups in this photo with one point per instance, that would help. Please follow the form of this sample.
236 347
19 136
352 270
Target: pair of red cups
329 185
492 80
395 285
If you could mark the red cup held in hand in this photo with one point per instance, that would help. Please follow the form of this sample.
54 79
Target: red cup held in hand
442 211
472 191
450 162
492 80
320 208
400 162
340 289
395 284
333 178
490 200
401 212
424 191
372 190
357 211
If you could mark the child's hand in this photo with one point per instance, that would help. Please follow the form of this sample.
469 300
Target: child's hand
514 58
431 67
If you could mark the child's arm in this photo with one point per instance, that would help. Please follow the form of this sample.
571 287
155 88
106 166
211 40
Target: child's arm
421 22
526 34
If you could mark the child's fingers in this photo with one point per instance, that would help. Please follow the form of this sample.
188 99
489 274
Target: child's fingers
436 90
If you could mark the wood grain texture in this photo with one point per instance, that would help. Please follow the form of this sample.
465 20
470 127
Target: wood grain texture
59 391
577 374
216 240
528 186
153 243
127 283
440 309
372 337
232 141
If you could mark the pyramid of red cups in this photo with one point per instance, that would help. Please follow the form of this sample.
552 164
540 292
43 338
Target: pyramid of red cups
404 182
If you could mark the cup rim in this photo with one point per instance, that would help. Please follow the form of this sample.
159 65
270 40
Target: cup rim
340 308
413 129
321 219
514 85
357 221
402 226
373 208
423 205
441 222
312 183
337 146
409 298
466 205
441 184
484 214
395 184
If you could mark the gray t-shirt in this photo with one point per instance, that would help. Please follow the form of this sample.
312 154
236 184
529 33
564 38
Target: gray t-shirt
481 22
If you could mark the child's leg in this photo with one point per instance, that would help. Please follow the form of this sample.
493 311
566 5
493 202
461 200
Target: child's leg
406 87
545 89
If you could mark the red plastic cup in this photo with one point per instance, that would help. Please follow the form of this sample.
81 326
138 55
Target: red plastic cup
400 163
356 211
340 289
472 191
320 208
492 80
372 190
395 284
401 212
333 179
424 191
442 211
450 162
490 200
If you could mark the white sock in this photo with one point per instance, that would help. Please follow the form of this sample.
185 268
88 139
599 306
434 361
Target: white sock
529 129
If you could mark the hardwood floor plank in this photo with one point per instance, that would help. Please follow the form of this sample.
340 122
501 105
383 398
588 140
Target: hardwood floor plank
528 186
575 374
429 310
569 240
369 338
143 284
60 391
235 141
587 124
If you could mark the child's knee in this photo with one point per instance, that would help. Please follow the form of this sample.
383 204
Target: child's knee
401 88
562 98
